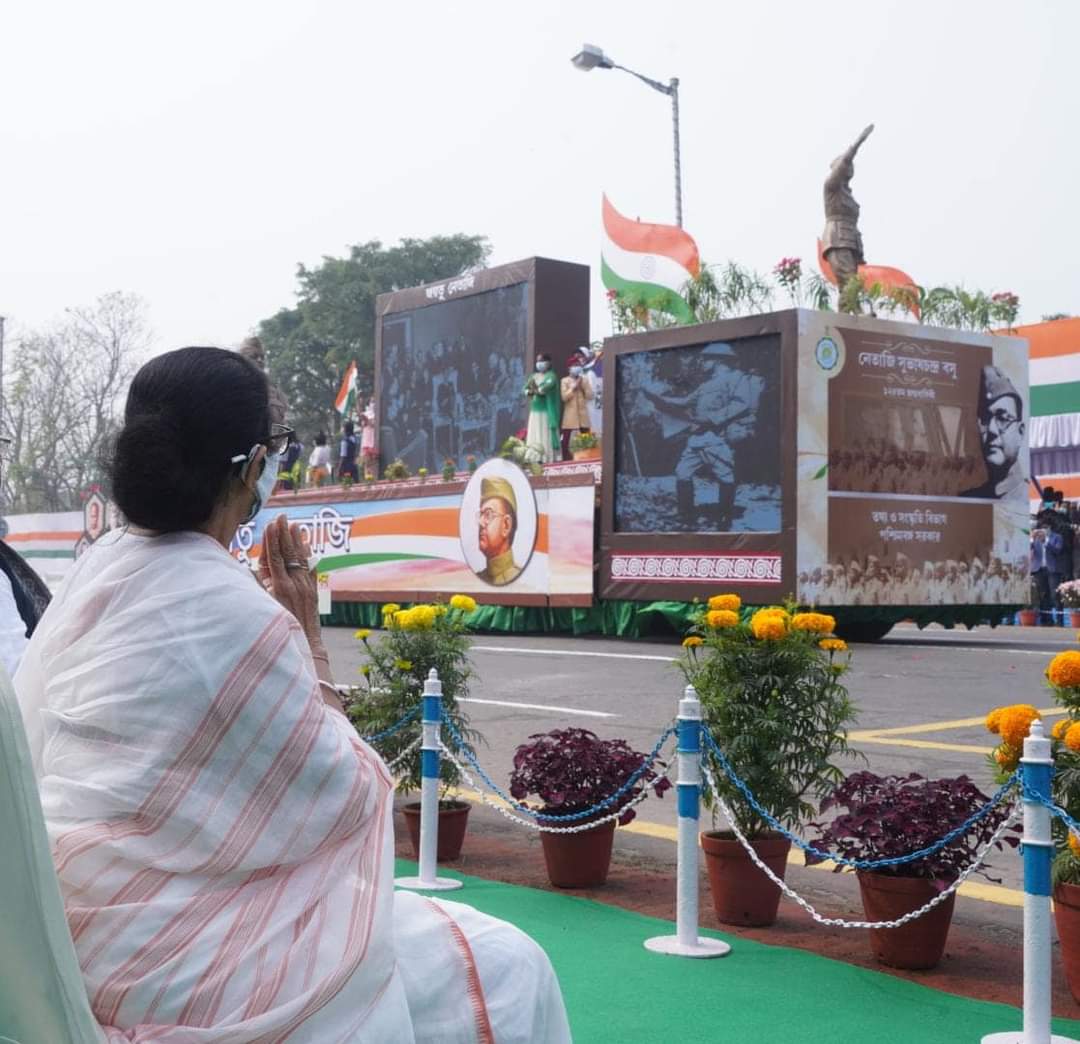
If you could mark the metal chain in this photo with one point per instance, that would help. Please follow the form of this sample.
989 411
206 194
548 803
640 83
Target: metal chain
396 727
391 765
540 827
839 922
857 864
570 817
1033 795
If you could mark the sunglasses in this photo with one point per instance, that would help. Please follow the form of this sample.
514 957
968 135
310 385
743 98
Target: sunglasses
281 437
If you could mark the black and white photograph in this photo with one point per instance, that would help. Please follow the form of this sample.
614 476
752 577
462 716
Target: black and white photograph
698 438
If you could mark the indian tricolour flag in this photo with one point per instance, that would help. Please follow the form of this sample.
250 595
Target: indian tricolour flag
649 262
345 403
1054 421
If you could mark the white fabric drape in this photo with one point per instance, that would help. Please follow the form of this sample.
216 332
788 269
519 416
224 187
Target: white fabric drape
223 839
1057 430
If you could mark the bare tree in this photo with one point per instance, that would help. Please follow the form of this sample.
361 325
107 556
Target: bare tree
65 395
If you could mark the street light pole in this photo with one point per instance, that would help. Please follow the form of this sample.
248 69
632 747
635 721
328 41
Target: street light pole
591 57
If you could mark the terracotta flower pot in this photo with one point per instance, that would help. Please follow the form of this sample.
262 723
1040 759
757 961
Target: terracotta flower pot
1067 919
741 893
579 860
917 944
453 819
1028 617
587 454
1074 617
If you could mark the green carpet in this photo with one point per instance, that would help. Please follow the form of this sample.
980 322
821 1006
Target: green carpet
616 991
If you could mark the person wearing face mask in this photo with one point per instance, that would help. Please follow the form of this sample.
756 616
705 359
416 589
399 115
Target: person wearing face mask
576 390
223 838
542 392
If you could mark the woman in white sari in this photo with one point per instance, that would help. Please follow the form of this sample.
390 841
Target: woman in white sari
222 836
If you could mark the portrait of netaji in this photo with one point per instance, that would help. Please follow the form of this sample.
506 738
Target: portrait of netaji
1000 419
498 522
698 438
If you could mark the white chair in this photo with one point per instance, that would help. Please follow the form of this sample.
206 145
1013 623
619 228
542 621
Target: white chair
42 996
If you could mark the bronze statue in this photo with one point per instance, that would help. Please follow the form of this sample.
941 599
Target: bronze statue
253 349
842 243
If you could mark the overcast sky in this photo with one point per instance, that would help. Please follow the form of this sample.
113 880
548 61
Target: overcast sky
195 153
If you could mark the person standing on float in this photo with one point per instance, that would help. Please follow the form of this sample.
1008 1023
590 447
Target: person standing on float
542 391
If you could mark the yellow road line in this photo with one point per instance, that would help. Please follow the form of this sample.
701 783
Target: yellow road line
941 726
897 737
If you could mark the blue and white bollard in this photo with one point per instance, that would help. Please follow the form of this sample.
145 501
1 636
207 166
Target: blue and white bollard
686 942
1037 769
429 794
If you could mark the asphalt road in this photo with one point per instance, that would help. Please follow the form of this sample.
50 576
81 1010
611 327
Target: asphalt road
934 686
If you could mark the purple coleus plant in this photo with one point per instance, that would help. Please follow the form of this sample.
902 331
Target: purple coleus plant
889 816
571 770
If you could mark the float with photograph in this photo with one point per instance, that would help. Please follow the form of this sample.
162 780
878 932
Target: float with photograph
875 468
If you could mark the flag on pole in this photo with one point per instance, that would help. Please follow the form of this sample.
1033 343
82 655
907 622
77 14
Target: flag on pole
653 262
345 403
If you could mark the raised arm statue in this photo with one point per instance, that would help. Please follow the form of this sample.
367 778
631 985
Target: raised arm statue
842 243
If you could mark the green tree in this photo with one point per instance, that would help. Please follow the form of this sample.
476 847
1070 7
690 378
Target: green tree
308 347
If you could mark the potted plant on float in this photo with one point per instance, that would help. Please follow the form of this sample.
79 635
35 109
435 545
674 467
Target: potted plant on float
584 445
396 471
889 816
449 469
773 699
571 770
1011 724
415 641
528 457
1069 594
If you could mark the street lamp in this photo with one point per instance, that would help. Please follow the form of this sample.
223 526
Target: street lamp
591 57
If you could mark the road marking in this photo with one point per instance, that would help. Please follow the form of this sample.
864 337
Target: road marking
896 737
537 706
572 652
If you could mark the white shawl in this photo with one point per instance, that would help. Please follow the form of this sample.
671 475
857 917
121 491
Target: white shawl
222 837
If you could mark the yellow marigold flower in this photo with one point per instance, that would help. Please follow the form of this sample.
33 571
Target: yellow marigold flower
1060 728
1015 722
818 623
365 670
768 627
833 644
775 610
1072 737
390 607
769 624
1006 757
402 618
464 603
693 641
1074 845
403 665
993 719
717 618
362 635
423 617
1064 669
731 602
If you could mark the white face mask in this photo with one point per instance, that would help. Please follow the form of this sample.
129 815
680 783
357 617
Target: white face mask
542 365
265 486
575 371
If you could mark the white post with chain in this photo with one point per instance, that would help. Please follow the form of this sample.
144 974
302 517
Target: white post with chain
429 794
686 942
1037 769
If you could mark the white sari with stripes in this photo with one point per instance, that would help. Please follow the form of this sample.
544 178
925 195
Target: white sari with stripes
224 839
